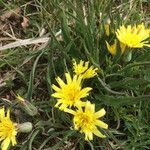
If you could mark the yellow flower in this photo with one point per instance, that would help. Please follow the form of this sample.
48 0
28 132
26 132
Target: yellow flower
112 48
83 69
8 130
86 120
133 36
70 93
90 73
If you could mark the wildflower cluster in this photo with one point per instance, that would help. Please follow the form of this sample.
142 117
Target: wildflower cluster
69 99
71 95
128 37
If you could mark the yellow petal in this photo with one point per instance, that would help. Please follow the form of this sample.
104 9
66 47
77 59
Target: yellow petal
70 111
84 92
112 48
5 144
55 88
98 133
100 113
68 78
101 124
8 113
63 107
60 82
148 45
57 95
89 108
13 140
88 136
2 113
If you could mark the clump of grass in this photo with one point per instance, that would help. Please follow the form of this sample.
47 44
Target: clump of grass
122 85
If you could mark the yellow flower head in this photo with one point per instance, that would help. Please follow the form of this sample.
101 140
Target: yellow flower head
83 69
70 93
8 130
113 48
133 36
90 73
86 120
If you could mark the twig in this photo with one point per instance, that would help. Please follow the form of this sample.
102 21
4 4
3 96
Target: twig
24 42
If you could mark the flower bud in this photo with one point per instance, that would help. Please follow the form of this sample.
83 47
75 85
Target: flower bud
28 107
127 55
25 127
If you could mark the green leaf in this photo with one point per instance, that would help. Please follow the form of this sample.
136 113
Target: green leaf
120 100
32 75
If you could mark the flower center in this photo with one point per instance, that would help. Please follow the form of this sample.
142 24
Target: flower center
72 93
84 121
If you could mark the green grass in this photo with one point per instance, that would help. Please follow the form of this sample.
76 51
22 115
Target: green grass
122 88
